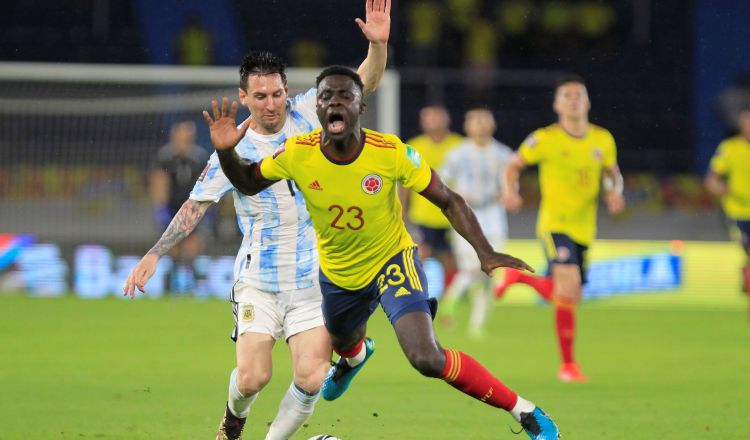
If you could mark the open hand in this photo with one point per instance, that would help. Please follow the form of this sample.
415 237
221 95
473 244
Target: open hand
140 275
494 260
377 24
225 134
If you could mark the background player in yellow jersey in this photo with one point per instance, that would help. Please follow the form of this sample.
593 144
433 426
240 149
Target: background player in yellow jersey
729 178
573 157
433 144
348 177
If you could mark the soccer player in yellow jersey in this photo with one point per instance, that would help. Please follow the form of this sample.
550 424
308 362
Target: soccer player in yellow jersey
729 178
348 177
574 156
433 144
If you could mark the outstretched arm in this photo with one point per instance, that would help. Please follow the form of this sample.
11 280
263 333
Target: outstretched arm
183 223
464 221
225 135
376 28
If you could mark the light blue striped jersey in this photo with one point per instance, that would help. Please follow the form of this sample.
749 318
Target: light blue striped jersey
278 251
476 174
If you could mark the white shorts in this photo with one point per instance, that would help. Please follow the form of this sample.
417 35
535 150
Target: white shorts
282 314
466 257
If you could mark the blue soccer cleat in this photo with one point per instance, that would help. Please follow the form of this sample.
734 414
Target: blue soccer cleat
341 374
539 426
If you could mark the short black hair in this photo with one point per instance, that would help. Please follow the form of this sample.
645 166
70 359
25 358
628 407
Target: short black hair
261 63
340 70
570 78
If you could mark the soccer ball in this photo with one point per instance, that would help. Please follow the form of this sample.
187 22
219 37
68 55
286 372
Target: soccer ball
324 437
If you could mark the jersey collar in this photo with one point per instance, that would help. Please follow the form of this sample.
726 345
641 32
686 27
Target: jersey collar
348 160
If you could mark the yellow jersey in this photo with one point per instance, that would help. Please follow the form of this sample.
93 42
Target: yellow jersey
421 211
353 205
732 160
570 171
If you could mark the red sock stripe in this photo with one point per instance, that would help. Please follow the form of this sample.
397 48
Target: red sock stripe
464 373
452 366
350 353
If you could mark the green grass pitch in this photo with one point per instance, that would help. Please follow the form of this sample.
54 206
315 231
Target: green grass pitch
670 365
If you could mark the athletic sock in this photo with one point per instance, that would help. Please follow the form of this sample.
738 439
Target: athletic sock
469 376
238 404
295 408
565 324
543 285
522 406
355 355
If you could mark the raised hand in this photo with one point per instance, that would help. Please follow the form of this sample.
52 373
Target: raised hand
140 275
225 134
377 24
494 260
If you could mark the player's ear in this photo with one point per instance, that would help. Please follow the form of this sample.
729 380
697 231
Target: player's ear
242 95
362 107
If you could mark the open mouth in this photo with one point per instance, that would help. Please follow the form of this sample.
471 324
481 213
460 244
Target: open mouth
336 123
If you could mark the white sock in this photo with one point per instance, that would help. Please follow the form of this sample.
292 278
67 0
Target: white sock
295 408
358 358
460 284
238 404
522 406
480 304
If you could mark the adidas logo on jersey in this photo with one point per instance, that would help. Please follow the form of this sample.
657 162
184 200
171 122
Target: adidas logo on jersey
315 185
401 292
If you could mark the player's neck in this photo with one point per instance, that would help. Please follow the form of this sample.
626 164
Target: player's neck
482 141
342 150
267 131
437 136
576 127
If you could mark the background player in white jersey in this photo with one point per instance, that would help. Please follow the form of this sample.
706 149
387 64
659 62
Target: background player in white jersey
474 170
277 292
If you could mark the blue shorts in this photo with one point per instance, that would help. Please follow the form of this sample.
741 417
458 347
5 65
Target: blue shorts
436 238
744 227
400 287
561 249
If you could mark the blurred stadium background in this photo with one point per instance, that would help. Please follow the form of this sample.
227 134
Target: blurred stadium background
81 125
89 88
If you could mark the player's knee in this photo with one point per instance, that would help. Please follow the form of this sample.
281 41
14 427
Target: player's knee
310 376
252 380
429 363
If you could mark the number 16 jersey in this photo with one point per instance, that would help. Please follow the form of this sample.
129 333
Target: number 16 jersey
353 204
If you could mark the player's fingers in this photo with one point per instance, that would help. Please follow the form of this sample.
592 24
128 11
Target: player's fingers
521 265
377 6
233 111
360 23
244 126
208 119
215 108
388 7
368 7
224 104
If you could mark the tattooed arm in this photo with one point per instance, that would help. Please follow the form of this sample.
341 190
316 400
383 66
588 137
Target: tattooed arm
183 223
